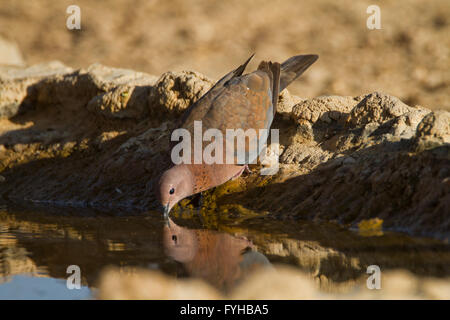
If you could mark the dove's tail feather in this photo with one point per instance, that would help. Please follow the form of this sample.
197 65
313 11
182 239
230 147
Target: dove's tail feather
273 69
235 73
242 67
293 67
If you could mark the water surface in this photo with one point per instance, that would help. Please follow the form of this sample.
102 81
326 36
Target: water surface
38 245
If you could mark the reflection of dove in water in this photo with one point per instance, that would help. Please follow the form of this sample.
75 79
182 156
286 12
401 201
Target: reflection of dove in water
236 101
219 258
253 259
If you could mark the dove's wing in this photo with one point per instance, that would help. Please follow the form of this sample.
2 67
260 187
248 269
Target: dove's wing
198 110
248 103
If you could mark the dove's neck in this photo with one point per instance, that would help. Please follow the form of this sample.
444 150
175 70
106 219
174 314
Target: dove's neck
207 176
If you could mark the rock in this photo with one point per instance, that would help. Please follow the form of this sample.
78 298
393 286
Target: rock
16 85
327 109
107 78
301 154
433 131
110 92
436 289
175 91
286 102
10 54
377 107
282 282
399 283
405 125
37 71
124 101
150 285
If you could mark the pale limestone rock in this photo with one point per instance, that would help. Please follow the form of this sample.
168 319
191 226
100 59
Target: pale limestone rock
146 285
433 130
286 102
175 91
124 101
281 282
326 108
377 107
16 84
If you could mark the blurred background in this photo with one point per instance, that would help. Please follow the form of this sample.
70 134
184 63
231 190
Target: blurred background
409 57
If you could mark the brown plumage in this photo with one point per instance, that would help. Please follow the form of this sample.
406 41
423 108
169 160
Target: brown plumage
213 256
236 101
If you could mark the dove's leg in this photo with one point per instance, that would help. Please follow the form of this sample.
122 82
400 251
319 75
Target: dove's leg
167 221
199 209
245 168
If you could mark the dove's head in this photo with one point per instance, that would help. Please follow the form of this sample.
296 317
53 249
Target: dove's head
174 185
180 243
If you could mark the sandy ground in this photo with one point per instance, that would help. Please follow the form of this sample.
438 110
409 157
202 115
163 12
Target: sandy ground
409 57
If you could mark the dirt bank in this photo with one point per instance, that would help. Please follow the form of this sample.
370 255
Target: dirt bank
99 137
409 54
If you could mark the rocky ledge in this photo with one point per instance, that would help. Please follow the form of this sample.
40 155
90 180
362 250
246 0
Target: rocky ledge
99 137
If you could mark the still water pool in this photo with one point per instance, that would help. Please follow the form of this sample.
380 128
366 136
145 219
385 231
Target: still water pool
38 245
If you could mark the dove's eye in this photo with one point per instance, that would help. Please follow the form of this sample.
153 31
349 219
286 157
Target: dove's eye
172 191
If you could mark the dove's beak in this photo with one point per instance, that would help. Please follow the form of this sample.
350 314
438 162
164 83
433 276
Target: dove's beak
165 210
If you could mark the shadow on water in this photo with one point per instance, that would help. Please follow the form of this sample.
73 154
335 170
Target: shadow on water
42 244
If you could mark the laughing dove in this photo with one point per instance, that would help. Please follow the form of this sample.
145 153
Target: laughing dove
236 101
